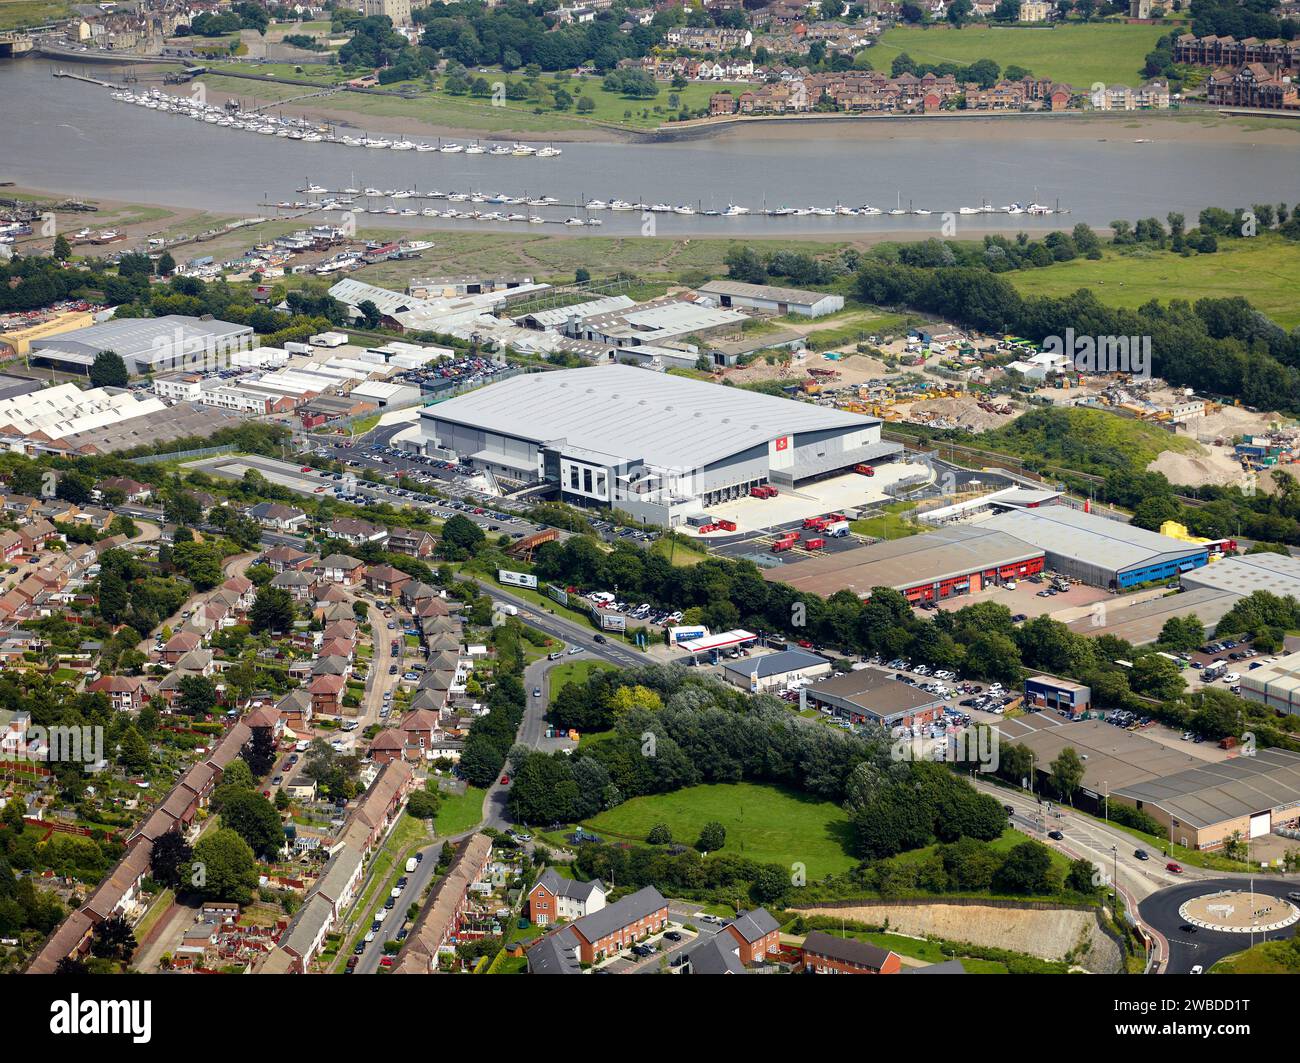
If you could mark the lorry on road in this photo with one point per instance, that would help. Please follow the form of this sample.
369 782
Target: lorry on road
838 529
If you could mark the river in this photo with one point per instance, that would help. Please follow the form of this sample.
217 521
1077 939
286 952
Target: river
68 137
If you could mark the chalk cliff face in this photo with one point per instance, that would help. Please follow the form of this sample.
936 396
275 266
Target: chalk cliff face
1046 932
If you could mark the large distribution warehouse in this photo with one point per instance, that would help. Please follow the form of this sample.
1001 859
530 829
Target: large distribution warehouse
656 446
147 344
1099 551
937 565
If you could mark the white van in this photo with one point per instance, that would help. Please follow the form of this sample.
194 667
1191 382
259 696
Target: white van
411 864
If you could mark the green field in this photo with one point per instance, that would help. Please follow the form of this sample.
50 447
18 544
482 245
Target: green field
459 813
573 672
1076 54
19 14
764 823
892 523
1262 270
1270 957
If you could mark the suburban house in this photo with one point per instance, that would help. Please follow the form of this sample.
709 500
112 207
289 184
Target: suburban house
134 490
757 933
607 931
824 953
554 897
411 541
278 516
357 532
340 568
125 693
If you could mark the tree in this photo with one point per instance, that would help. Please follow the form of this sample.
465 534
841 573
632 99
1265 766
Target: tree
259 752
62 249
1067 773
713 836
660 834
200 563
133 751
109 371
461 538
1026 869
1080 877
169 856
1157 677
424 804
272 611
223 868
113 939
254 818
197 696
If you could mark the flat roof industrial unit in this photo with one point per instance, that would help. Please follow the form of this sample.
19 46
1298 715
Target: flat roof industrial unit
783 662
1141 622
1213 792
1276 685
1276 573
874 694
1097 550
1115 757
143 342
932 557
627 413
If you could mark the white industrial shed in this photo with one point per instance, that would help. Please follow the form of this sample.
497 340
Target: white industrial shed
655 445
772 299
154 344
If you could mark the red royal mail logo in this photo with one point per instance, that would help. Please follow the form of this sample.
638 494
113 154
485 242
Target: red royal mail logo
782 443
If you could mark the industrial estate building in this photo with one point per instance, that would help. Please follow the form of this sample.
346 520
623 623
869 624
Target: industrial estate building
1200 803
775 671
869 695
772 299
937 565
656 446
1276 685
1099 551
146 344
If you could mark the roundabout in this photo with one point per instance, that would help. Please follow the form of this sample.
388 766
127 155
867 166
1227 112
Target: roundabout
1206 921
1239 912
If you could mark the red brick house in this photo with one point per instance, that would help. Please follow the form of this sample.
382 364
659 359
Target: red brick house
387 747
126 693
606 932
824 953
757 934
326 692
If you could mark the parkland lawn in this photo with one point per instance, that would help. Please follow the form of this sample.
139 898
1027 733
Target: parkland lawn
459 813
1263 270
1077 54
765 823
578 672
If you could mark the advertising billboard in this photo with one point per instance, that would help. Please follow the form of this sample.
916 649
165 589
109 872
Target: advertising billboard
558 593
516 579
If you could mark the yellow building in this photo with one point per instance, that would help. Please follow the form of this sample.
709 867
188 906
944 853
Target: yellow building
19 341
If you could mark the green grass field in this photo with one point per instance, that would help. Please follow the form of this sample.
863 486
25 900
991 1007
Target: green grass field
893 523
573 672
458 814
1270 957
764 823
1262 270
19 14
1076 54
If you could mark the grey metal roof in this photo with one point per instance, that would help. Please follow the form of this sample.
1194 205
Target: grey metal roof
1276 573
929 557
1116 758
1108 544
769 664
621 410
135 337
1141 622
850 950
634 906
1213 792
764 291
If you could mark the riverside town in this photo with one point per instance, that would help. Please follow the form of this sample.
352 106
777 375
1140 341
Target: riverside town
649 488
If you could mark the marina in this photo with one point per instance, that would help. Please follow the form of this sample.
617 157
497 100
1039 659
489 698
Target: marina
76 140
